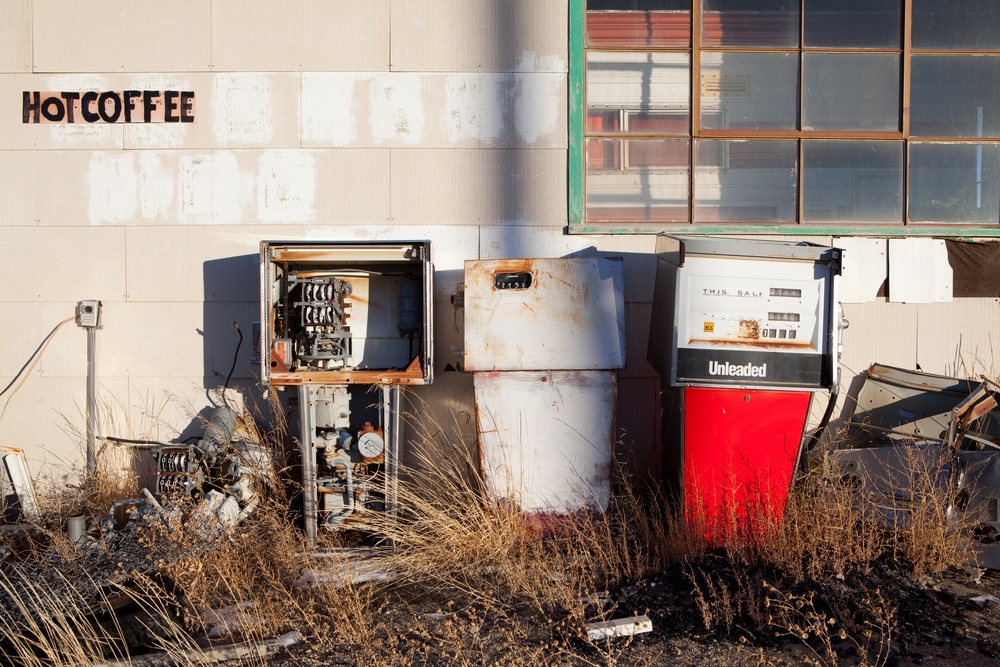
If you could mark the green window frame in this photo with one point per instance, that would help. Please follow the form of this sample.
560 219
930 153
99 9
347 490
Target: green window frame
935 150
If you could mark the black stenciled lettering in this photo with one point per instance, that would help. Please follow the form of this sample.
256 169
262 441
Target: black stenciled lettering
149 98
70 99
58 114
86 103
187 106
170 106
31 105
129 105
102 106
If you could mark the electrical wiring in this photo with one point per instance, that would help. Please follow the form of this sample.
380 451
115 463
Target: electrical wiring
29 365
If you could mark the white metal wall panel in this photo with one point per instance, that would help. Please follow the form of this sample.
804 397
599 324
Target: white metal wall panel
66 353
919 271
879 332
21 335
300 35
193 263
46 419
959 338
457 35
160 338
90 264
121 35
15 35
254 109
865 268
473 187
19 203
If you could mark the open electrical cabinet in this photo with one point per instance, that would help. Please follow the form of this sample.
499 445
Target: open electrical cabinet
349 325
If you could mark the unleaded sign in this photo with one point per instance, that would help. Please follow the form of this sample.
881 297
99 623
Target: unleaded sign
129 106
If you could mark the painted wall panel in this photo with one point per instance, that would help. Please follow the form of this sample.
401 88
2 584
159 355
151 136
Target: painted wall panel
880 332
19 204
134 35
15 35
173 135
462 187
155 338
919 271
344 36
22 334
254 109
959 338
193 263
865 268
90 264
46 419
300 35
517 35
17 135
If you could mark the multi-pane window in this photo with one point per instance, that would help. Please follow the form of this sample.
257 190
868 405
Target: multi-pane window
790 112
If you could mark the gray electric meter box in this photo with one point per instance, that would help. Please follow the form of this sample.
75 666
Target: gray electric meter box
745 312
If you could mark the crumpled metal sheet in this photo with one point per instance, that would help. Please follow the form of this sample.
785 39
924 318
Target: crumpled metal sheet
918 437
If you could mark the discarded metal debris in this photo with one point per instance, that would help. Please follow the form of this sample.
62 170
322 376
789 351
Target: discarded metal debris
915 436
19 501
619 627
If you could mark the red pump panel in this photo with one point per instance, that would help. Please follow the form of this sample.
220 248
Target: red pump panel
740 451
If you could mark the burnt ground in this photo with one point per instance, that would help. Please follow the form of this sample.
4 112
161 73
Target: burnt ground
950 620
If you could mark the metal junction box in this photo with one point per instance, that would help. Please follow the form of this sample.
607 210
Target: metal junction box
346 312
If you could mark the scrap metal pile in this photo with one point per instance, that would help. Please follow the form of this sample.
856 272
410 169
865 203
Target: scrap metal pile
918 437
202 491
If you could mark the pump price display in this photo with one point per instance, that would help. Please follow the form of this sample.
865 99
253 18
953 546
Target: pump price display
752 312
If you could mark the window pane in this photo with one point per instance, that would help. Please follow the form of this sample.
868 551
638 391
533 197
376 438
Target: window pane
750 23
749 90
638 28
645 89
955 183
955 96
745 181
638 5
836 98
852 181
961 25
637 180
853 23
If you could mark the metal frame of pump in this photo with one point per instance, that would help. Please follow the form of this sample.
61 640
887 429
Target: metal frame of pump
308 339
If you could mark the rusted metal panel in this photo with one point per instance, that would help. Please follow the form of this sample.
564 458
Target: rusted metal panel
545 438
544 314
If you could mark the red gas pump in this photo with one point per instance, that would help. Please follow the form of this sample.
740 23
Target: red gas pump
745 334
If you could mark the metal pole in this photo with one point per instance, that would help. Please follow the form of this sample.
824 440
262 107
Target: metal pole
307 434
91 402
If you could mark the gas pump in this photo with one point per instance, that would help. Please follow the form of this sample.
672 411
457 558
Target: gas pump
745 335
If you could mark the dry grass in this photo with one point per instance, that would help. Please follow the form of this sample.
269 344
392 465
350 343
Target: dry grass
459 579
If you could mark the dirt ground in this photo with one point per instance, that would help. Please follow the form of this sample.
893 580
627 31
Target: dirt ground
951 620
